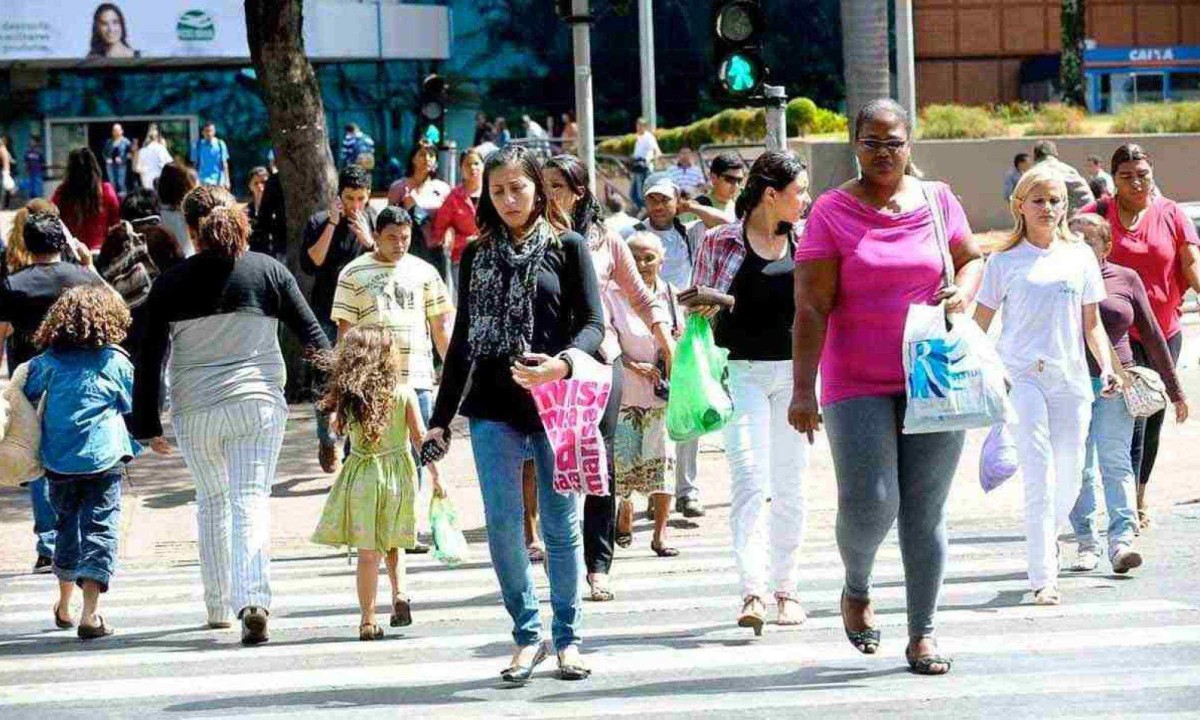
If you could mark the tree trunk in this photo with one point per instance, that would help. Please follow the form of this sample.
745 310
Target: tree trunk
865 52
1074 32
289 87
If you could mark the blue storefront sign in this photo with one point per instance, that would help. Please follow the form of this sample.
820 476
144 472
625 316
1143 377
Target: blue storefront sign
1121 76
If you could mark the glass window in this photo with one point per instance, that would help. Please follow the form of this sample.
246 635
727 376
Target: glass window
1185 86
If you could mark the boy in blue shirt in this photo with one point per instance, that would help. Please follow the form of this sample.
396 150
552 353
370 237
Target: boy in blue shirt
211 157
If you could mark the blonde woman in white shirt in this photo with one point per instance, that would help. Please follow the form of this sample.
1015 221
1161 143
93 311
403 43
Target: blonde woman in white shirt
1049 285
152 157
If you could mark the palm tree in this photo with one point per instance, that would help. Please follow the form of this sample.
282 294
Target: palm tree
865 52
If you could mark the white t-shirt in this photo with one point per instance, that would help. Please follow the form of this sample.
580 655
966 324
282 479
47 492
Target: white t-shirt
1042 293
646 147
151 161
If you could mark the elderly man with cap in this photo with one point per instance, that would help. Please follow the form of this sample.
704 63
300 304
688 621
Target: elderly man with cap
681 243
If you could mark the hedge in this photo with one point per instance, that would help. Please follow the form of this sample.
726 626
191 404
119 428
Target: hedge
958 122
1159 118
735 125
1058 119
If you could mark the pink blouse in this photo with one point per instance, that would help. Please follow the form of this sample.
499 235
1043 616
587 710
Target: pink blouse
617 271
637 342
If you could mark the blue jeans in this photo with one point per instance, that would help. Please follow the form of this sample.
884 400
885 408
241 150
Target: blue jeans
117 175
500 450
44 517
89 524
1109 462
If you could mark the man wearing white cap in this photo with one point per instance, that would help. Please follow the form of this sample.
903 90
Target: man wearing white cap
681 243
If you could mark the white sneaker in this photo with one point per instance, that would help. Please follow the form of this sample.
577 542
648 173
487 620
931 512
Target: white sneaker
1125 559
1086 560
1047 596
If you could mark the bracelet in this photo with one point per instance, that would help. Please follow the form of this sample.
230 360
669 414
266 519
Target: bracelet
567 359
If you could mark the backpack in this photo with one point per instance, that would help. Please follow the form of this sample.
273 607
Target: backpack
125 264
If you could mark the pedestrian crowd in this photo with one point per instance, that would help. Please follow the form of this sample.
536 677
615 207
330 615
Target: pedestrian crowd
477 300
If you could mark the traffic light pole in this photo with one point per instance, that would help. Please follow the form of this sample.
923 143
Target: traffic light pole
906 79
776 102
646 46
581 30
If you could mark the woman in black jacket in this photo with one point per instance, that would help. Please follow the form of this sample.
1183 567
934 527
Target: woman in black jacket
528 294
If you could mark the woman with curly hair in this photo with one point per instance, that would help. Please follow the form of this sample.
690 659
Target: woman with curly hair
85 445
372 504
219 312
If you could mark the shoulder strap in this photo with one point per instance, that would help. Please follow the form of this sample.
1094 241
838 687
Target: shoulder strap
939 232
1102 208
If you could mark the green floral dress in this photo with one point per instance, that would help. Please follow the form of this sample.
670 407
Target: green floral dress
371 506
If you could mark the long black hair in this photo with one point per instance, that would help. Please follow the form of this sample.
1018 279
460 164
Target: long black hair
80 195
421 147
587 209
487 218
772 169
99 48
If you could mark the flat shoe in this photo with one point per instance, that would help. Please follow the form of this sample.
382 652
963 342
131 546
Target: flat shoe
663 550
92 632
59 622
624 539
521 673
865 641
370 632
401 612
924 665
572 671
750 617
600 591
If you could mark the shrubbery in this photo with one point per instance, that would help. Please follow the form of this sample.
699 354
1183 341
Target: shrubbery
958 122
1058 119
735 125
1159 118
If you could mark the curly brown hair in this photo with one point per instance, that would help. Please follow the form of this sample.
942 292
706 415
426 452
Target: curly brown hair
364 375
226 232
86 317
201 201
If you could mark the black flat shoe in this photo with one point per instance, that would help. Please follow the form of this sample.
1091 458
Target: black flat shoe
93 632
59 622
663 550
521 673
624 539
418 549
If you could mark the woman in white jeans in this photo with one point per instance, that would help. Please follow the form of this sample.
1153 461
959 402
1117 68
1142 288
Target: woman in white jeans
1050 287
752 260
219 312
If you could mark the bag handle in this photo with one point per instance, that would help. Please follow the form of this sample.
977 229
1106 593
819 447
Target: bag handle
939 233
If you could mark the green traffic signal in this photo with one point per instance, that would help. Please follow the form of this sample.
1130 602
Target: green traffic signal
739 74
432 134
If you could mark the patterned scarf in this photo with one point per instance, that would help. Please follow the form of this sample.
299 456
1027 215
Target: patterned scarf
503 282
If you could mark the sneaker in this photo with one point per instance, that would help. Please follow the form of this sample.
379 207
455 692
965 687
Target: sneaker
690 507
1047 596
254 625
43 565
328 458
1125 559
1086 560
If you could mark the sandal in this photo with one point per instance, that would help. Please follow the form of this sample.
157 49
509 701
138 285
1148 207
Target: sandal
92 632
370 631
1048 595
401 611
600 589
574 670
624 539
785 617
751 616
59 622
663 551
865 641
927 664
536 554
517 673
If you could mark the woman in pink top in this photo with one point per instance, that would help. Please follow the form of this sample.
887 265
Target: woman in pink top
869 251
566 183
1153 237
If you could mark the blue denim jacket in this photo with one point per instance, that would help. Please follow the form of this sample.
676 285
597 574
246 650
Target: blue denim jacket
87 392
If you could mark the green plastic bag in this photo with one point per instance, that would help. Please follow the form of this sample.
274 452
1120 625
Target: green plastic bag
698 402
449 543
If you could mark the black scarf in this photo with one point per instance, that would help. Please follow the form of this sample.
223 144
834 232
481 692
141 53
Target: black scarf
503 283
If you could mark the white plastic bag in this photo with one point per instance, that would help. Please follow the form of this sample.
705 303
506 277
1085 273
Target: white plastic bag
954 379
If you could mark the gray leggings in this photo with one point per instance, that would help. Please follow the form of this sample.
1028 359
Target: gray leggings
882 474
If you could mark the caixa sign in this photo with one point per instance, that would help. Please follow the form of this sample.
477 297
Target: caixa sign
1137 55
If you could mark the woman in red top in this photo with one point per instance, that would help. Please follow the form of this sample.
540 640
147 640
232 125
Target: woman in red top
457 215
88 205
1153 237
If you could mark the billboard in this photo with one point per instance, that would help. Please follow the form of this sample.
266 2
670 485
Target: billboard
133 31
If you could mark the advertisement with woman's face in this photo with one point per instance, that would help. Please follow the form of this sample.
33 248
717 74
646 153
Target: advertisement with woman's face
110 34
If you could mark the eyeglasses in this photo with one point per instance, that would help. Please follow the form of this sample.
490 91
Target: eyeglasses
892 146
734 179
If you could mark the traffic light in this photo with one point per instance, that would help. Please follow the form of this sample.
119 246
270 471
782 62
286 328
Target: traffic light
432 109
738 29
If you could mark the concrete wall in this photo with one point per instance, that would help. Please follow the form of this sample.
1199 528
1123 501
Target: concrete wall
976 168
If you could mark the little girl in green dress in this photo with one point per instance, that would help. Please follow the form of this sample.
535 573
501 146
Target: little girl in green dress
371 506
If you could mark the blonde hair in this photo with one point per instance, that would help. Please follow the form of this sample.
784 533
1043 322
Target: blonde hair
17 256
1041 174
364 372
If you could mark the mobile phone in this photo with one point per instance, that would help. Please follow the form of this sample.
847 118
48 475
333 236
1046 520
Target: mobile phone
528 361
432 451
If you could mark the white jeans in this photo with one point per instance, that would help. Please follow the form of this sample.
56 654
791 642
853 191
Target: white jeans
231 451
1053 414
766 460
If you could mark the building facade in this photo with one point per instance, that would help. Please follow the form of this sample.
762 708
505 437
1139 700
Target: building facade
988 51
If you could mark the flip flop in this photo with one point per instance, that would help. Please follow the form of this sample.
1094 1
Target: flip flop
924 665
59 622
93 632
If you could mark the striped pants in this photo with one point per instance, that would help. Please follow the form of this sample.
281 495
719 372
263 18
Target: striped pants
231 451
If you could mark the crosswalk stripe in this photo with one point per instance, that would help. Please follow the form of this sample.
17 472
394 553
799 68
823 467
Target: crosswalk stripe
948 621
343 611
631 662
